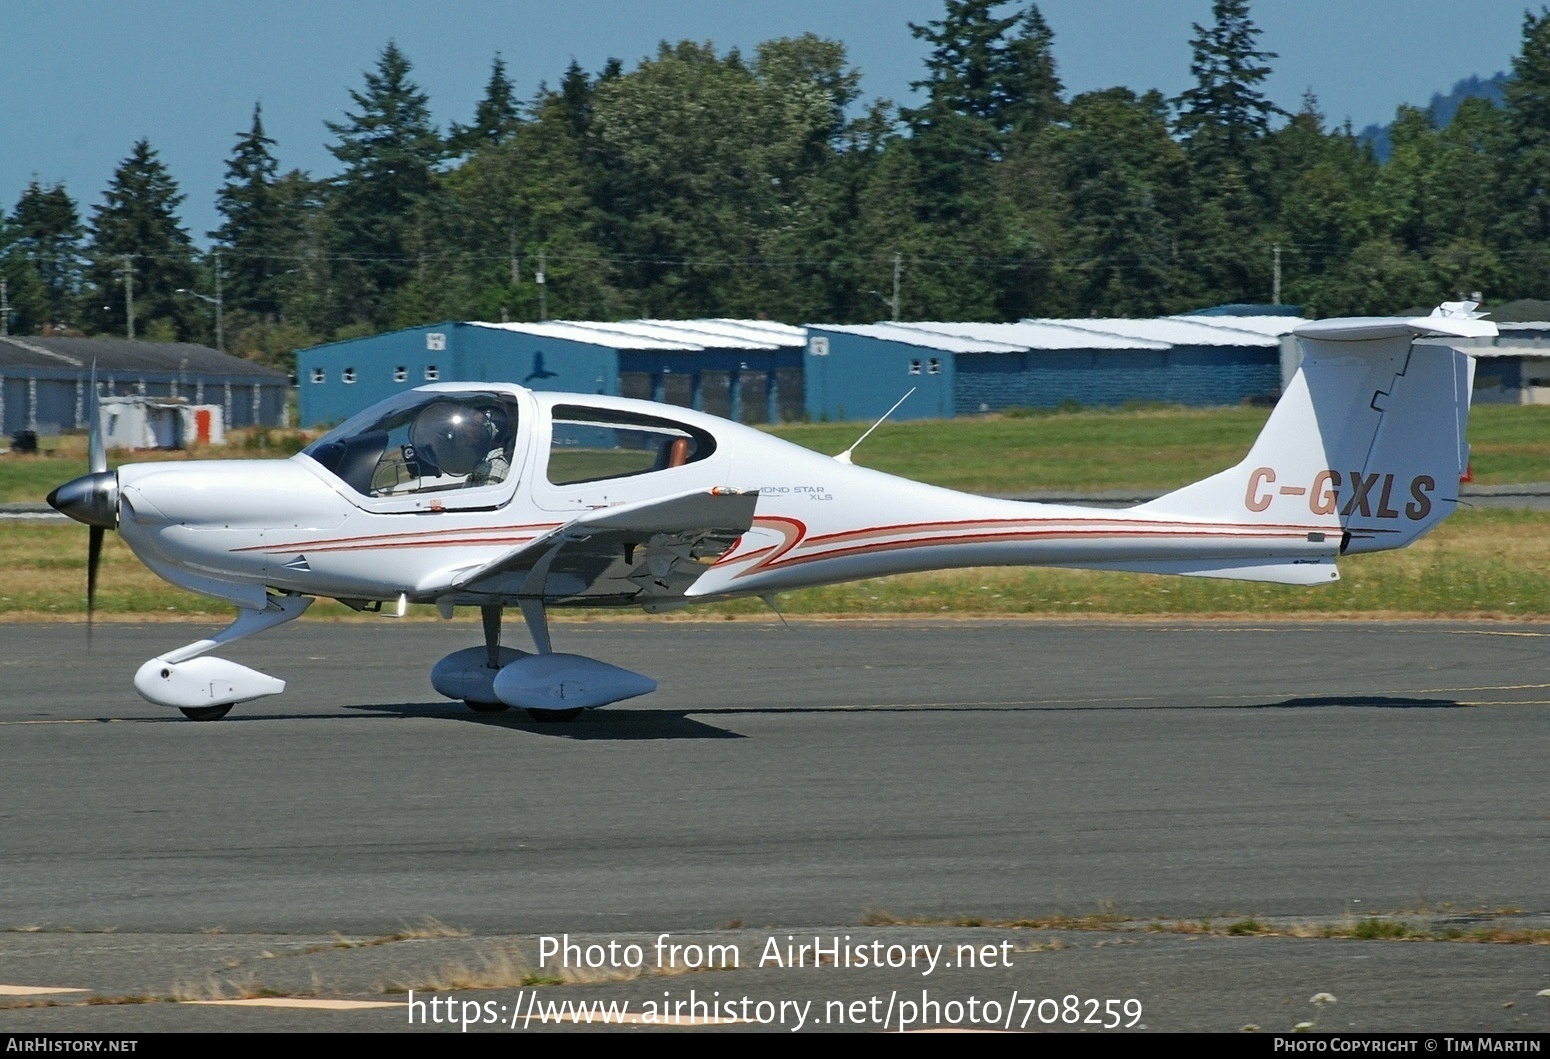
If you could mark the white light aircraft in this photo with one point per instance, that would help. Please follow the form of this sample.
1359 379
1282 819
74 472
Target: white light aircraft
490 495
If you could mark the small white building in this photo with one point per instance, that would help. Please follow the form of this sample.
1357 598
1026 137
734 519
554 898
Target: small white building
138 422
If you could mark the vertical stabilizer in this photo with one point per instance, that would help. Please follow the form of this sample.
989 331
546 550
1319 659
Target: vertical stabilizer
1367 441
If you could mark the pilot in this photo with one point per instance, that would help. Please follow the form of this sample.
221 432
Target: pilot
470 440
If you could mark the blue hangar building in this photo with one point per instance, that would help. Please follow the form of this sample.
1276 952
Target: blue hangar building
962 369
747 370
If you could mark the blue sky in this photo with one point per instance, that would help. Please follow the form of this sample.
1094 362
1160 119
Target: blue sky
82 80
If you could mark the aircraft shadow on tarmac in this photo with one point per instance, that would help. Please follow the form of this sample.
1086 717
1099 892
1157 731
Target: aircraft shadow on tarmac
641 725
601 724
1371 702
592 724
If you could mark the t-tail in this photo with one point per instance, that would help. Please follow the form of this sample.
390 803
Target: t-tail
1366 445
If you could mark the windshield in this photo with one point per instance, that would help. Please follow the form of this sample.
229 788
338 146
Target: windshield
423 442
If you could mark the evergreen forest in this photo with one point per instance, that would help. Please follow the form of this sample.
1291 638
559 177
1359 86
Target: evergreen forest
723 183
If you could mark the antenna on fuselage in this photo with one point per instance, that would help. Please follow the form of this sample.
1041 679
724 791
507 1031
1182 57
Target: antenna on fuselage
844 457
769 601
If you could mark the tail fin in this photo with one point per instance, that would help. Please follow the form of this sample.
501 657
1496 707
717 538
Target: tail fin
1367 441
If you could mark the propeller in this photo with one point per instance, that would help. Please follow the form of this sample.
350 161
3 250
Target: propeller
91 499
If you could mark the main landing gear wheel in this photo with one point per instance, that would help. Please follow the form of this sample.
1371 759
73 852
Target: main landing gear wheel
551 716
205 713
485 707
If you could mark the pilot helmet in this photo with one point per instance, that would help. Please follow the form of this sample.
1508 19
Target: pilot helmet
454 436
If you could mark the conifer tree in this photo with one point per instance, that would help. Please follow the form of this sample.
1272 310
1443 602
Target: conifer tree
979 68
1224 124
495 118
251 235
380 204
24 308
1225 114
45 236
1127 182
1524 217
136 238
1033 87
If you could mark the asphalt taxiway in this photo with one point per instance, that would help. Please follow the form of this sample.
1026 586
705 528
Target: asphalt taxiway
901 782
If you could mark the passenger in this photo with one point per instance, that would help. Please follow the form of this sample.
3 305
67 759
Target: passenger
495 427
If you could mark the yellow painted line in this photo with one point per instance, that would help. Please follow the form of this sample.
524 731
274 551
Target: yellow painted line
1494 632
1485 687
299 1002
37 990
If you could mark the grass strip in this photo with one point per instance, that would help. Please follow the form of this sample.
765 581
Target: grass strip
1480 563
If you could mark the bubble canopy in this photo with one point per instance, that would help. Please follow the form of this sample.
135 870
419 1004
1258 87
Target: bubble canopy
423 442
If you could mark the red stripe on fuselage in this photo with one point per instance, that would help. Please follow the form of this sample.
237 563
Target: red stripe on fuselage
387 539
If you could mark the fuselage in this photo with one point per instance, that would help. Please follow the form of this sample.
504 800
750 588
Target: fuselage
379 525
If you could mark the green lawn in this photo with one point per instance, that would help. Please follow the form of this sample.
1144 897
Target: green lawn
1148 449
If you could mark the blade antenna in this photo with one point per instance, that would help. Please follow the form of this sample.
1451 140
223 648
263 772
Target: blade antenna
769 601
844 457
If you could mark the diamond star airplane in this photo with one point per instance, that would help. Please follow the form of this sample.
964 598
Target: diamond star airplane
490 495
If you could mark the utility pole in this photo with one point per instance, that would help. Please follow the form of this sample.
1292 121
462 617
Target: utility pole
218 301
220 331
129 293
5 310
1275 283
543 300
898 267
893 303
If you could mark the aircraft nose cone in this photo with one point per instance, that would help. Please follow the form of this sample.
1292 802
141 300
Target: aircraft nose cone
91 498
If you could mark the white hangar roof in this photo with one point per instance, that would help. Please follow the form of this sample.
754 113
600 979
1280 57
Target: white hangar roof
921 335
679 335
1045 334
1176 331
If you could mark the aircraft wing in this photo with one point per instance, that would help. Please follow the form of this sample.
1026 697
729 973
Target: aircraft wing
649 552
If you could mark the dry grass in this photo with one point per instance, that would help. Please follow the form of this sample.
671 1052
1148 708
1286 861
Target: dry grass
240 987
1481 563
509 969
497 970
1412 926
429 927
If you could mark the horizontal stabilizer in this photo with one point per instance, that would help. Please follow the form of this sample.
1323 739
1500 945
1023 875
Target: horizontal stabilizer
1451 319
1291 572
